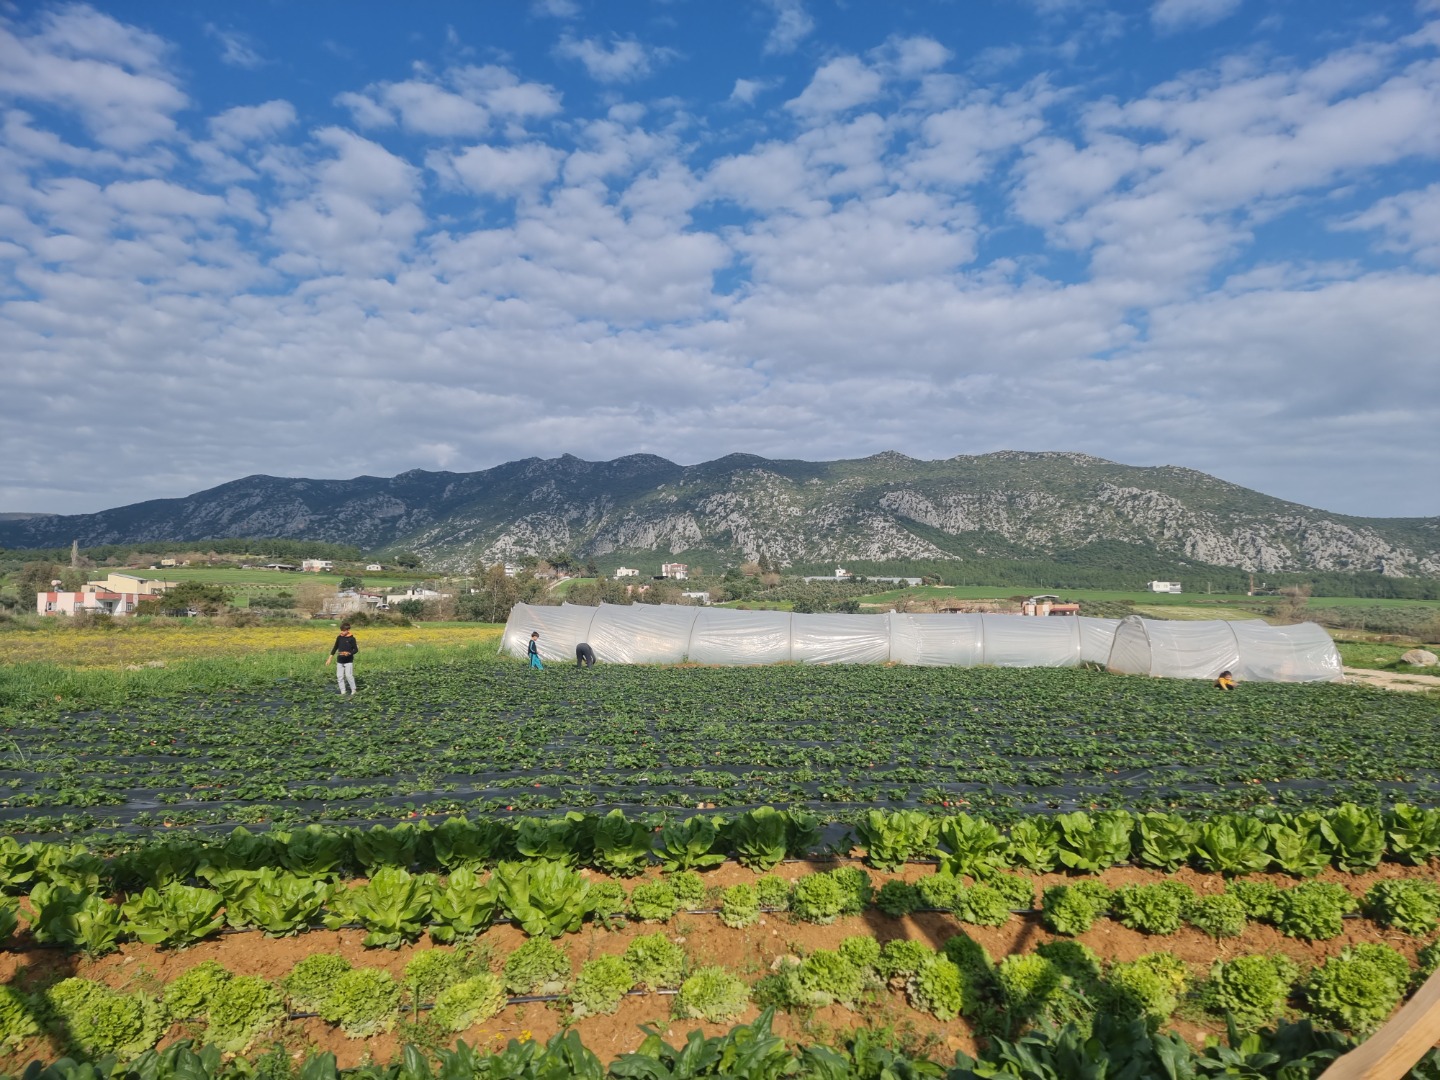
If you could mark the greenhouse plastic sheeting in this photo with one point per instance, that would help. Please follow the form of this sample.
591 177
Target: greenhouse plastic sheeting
1252 650
1096 637
937 640
642 633
840 639
1026 641
723 636
670 633
1301 653
561 628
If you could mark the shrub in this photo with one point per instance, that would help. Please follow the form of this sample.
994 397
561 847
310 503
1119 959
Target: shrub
653 901
364 1002
655 961
431 970
1073 909
940 891
983 906
1252 989
310 982
537 967
828 978
739 906
689 887
17 1019
1356 991
819 898
1145 989
1152 909
601 984
241 1010
469 1002
188 996
713 994
101 1021
902 958
1221 915
1407 904
897 898
937 988
772 892
861 950
1313 911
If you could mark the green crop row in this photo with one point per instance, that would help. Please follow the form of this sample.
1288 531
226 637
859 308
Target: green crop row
1058 987
1349 838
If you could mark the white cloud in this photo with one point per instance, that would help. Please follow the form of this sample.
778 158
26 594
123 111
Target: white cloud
236 49
793 24
622 60
245 124
1168 16
840 85
1410 222
555 9
747 90
499 170
110 74
910 57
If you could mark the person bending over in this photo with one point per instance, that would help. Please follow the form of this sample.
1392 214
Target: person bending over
1226 681
584 655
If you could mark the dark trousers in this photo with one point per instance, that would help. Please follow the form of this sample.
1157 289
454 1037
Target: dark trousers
584 654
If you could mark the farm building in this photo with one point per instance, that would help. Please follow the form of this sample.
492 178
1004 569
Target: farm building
670 633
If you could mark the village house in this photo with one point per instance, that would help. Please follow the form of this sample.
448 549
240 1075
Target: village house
117 594
625 571
316 566
676 571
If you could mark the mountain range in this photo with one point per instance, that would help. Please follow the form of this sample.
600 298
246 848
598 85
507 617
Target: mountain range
888 507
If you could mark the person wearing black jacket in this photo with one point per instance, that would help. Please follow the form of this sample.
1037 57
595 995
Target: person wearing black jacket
343 653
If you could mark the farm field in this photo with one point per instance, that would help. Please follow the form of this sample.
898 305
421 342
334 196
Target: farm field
1006 825
481 734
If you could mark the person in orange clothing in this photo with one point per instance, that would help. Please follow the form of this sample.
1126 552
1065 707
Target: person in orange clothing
1226 681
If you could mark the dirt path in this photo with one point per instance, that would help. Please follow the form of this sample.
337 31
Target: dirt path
1392 680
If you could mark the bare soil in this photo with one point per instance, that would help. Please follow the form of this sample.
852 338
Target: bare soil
1393 680
750 952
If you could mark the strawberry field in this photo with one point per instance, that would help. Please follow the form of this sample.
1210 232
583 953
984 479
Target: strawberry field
472 869
494 738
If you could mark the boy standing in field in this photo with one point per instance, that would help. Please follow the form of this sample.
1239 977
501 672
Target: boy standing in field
343 653
534 650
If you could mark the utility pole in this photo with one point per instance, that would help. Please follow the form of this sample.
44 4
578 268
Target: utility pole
74 553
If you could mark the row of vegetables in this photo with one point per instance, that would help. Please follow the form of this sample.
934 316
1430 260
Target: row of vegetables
547 900
1349 838
1058 983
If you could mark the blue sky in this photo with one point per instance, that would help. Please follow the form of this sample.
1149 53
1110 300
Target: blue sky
327 239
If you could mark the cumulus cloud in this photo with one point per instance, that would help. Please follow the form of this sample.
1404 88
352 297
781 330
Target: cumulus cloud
793 24
620 60
840 85
1168 16
474 254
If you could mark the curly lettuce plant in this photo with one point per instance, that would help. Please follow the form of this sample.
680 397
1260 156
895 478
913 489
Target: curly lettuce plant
655 961
311 981
241 1011
600 986
712 993
1408 904
653 901
1358 989
1221 915
363 1001
469 1002
739 906
1252 989
1152 909
1073 909
938 988
537 967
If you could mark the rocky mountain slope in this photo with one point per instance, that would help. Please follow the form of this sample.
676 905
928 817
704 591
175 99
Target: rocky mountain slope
1003 505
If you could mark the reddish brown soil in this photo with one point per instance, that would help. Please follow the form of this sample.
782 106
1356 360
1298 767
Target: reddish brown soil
750 952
